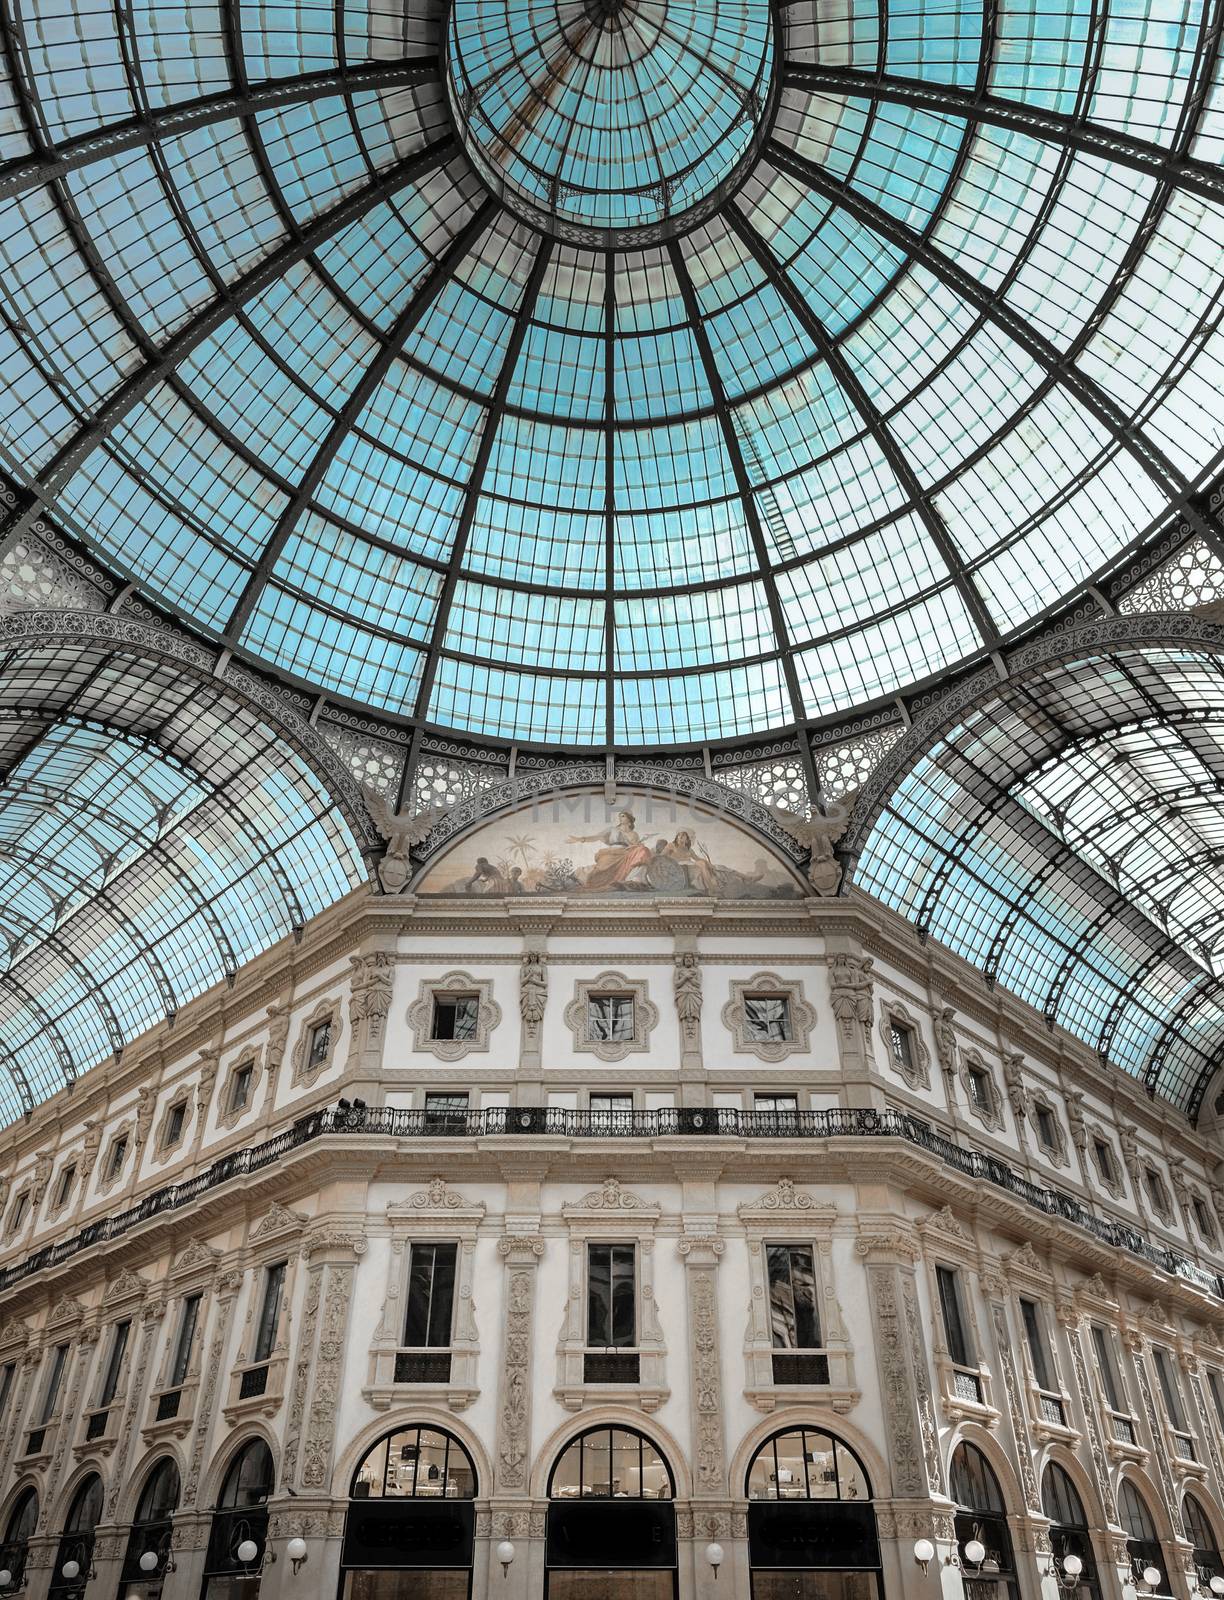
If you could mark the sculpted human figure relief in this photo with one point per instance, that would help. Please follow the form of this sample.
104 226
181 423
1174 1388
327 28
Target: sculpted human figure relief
686 982
850 986
533 989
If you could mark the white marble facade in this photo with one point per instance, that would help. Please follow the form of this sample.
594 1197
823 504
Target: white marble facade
921 1065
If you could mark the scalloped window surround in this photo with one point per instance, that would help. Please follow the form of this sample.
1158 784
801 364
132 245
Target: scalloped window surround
611 1016
905 1050
453 1016
315 1050
769 1016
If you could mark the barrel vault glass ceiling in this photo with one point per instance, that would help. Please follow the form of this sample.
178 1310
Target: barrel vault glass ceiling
588 371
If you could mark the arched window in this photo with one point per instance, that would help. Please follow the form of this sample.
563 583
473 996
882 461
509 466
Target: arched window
982 1516
1069 1532
240 1522
150 1534
411 1523
1207 1559
23 1519
611 1519
811 1523
74 1556
1142 1541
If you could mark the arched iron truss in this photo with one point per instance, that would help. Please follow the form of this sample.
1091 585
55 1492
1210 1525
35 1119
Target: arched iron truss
158 828
1062 828
868 191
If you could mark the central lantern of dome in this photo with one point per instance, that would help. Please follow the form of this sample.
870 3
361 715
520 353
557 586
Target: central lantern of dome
597 118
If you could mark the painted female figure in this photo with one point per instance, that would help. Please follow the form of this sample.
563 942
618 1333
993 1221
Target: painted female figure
622 855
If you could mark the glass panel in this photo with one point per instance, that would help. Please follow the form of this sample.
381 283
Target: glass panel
274 1284
610 1018
792 1297
418 1583
431 1288
1102 1344
186 1338
953 1319
792 1477
799 1585
1034 1333
767 1017
114 1363
634 1585
320 1043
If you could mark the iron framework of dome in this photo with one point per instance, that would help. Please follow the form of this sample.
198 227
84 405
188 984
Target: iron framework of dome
772 411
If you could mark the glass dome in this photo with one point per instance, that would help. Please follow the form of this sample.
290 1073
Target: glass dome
642 372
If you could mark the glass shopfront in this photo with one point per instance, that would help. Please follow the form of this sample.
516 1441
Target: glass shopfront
811 1523
1143 1542
150 1535
1208 1563
981 1515
1069 1533
611 1520
74 1556
19 1530
410 1529
239 1533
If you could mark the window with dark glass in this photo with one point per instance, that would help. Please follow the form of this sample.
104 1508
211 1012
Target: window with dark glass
240 1087
767 1018
117 1155
55 1376
1104 1160
320 1044
410 1527
611 1528
951 1305
241 1513
77 1541
455 1016
611 1296
1169 1388
151 1531
175 1118
6 1388
1157 1193
609 1018
1069 1534
901 1045
19 1530
612 1103
188 1317
269 1311
1107 1366
1203 1217
1143 1545
979 1089
64 1188
446 1111
1038 1344
1207 1560
431 1295
20 1206
114 1363
982 1515
783 1104
1046 1133
811 1522
1215 1387
793 1313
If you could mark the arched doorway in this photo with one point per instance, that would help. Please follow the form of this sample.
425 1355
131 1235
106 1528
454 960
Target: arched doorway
1208 1563
611 1520
14 1552
411 1524
811 1522
1069 1534
150 1534
1142 1541
240 1518
74 1555
983 1516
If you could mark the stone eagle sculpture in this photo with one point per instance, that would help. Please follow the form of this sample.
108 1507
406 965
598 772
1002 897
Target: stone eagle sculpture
402 830
818 834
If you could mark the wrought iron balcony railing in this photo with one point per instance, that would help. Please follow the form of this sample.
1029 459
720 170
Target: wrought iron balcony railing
680 1122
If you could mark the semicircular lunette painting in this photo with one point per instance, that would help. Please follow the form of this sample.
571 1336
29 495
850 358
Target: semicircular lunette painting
641 845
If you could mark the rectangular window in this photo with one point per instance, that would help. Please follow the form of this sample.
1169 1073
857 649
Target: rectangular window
455 1016
1107 1366
956 1328
6 1387
320 1043
1203 1217
1046 1135
269 1314
114 1363
240 1087
431 1295
117 1157
186 1338
1155 1188
901 1044
55 1376
794 1316
20 1206
446 1111
175 1118
788 1104
1104 1160
611 1295
612 1102
1038 1345
64 1187
610 1018
767 1018
1216 1386
1169 1388
979 1089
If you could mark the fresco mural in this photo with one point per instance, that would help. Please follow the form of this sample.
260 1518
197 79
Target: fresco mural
641 845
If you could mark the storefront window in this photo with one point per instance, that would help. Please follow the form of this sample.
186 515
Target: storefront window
240 1520
410 1529
74 1556
1069 1533
1142 1543
150 1536
983 1516
14 1552
611 1520
811 1523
